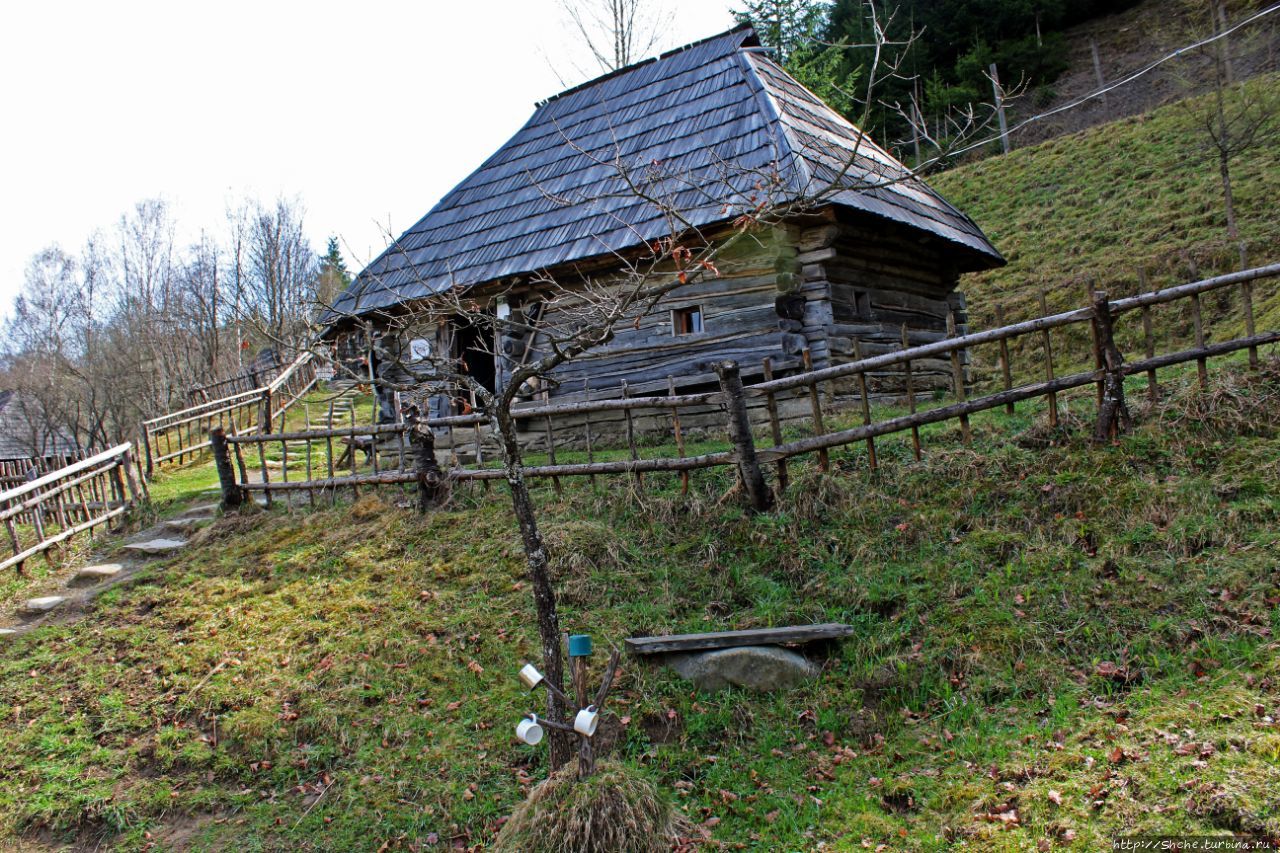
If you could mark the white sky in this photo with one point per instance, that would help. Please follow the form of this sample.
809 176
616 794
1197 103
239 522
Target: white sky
368 111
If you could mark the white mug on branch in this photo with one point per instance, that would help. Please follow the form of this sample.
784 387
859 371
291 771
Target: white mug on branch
530 730
586 721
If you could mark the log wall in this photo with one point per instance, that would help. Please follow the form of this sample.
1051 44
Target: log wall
830 285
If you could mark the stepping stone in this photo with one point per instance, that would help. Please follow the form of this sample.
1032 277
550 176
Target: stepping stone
157 546
202 509
90 575
182 525
7 633
39 606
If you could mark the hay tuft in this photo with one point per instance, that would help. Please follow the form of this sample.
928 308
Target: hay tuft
369 506
615 811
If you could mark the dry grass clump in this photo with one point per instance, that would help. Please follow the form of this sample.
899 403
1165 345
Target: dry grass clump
368 506
1237 402
231 526
615 811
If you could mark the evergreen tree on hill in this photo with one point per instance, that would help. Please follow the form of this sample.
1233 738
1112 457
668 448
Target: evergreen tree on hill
333 277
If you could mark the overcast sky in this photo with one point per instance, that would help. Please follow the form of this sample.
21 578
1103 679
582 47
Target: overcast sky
369 112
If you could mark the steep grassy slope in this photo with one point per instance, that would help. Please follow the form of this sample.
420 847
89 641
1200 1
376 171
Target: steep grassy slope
1138 194
1054 642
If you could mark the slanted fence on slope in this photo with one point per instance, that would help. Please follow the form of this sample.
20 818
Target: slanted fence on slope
179 437
63 503
260 373
1127 336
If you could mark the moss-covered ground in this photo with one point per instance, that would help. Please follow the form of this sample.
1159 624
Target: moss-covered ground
1054 643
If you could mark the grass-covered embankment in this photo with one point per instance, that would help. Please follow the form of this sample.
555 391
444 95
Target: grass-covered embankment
1055 642
1100 205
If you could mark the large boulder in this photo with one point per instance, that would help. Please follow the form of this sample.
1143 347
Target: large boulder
761 668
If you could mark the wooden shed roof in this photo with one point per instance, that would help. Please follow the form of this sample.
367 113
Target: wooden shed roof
716 113
22 430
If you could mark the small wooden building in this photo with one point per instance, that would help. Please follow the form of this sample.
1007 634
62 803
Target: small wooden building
882 254
28 442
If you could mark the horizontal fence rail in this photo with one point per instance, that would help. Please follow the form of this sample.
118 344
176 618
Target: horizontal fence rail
47 511
949 379
181 436
245 380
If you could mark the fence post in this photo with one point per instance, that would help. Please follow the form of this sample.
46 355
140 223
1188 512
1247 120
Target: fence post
231 495
130 482
432 489
1113 413
146 446
744 448
264 413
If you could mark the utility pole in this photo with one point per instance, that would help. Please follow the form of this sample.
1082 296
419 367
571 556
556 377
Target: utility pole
999 94
1102 81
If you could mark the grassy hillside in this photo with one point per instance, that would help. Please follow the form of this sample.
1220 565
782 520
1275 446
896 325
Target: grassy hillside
1054 642
1102 204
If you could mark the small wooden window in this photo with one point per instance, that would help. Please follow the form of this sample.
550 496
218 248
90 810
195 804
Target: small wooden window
687 321
862 303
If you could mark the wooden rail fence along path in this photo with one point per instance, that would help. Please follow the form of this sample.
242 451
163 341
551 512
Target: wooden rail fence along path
79 497
179 437
1123 337
247 380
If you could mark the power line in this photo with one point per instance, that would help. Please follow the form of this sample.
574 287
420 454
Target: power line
1124 81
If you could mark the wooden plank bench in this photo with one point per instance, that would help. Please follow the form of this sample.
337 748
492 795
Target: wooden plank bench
731 639
363 443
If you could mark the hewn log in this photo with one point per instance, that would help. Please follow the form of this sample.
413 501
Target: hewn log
232 496
1113 412
433 486
775 427
744 449
1048 365
734 639
815 404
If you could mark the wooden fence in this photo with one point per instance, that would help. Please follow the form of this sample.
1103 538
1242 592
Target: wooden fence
181 436
15 472
246 380
1112 326
79 497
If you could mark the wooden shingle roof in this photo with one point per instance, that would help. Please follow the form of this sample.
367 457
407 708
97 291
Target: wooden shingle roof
24 433
703 123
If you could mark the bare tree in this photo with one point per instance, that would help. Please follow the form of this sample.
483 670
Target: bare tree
618 32
1236 118
279 288
122 332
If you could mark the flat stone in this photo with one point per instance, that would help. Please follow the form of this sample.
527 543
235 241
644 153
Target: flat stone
90 575
7 633
184 524
36 606
157 546
201 509
760 668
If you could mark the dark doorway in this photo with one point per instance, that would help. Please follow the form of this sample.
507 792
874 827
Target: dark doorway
473 346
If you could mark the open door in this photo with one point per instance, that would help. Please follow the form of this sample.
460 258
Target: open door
473 347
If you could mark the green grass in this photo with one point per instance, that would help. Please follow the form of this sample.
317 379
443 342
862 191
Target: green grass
1054 642
369 653
1100 205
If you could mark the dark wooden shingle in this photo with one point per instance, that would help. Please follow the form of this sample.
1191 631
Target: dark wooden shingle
715 114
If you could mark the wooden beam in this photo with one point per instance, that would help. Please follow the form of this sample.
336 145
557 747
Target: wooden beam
733 639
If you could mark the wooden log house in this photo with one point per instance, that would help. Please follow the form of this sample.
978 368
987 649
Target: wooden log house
878 253
29 443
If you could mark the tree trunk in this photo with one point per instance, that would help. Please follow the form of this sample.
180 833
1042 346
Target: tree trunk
433 488
561 749
1221 78
1228 195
